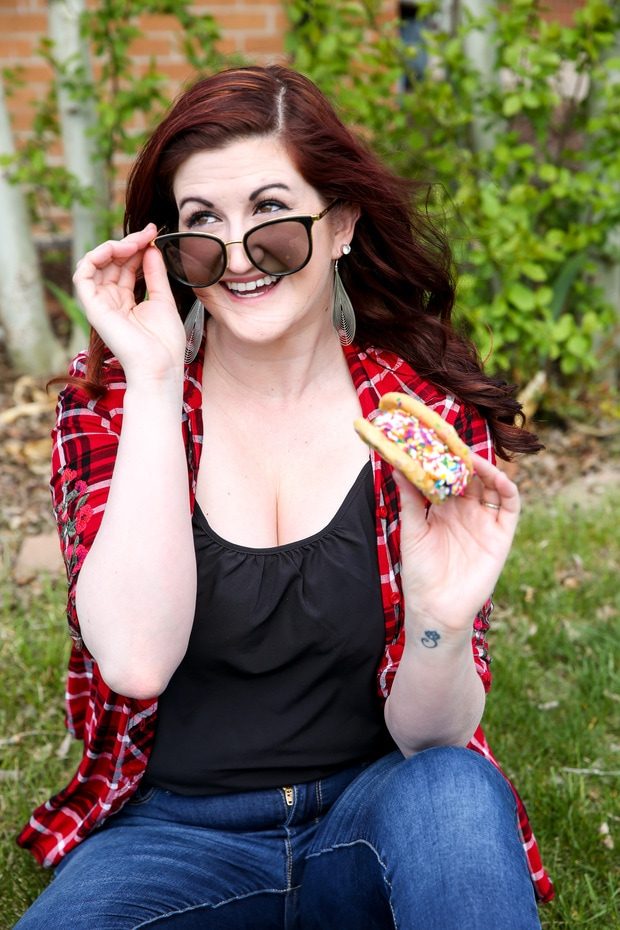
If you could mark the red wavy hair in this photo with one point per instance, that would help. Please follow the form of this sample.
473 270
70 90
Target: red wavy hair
399 272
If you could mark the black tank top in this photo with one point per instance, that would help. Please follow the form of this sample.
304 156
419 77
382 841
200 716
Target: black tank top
278 685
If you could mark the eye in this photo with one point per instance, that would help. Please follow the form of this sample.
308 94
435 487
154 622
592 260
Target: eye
199 219
270 206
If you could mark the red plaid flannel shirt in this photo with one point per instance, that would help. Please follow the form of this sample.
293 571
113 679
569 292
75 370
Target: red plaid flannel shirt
117 731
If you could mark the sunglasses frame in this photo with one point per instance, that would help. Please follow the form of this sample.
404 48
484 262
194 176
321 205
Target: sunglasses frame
306 220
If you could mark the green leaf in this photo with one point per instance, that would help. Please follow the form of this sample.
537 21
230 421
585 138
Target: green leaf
563 327
544 296
512 105
533 271
531 99
578 345
490 203
71 306
564 282
522 297
548 173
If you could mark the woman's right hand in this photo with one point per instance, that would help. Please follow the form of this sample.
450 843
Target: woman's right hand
147 338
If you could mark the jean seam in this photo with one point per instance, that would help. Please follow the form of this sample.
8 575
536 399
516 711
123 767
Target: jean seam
289 859
211 907
319 798
362 842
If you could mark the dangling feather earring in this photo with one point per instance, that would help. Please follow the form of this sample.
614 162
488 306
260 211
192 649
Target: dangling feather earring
343 314
194 328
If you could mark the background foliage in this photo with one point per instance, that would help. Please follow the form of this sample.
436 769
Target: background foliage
514 120
525 167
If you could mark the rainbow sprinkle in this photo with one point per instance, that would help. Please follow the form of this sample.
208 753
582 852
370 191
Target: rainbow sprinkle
448 471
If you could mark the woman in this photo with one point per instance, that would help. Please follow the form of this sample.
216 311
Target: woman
273 677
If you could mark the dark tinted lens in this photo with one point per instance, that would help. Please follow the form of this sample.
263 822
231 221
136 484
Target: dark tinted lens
194 260
280 247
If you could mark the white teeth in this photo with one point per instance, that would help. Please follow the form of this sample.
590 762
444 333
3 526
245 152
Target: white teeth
241 286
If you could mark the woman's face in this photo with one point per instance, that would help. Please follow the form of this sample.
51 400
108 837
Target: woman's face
228 191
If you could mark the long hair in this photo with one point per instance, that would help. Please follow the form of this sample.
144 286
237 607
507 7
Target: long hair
399 272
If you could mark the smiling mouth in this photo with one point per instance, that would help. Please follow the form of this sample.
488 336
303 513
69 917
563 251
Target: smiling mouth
251 287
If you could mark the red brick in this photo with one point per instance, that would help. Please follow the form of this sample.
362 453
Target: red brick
179 72
12 48
21 122
263 45
562 10
148 46
35 72
280 21
243 20
229 45
156 22
32 22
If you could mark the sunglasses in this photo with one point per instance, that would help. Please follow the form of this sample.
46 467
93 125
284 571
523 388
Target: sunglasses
276 247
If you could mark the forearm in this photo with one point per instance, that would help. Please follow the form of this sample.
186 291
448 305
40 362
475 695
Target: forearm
437 697
136 591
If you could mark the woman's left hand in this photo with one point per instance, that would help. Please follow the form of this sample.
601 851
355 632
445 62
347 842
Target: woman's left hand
452 558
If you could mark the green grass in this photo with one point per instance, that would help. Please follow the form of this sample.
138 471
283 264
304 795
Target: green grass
34 648
552 717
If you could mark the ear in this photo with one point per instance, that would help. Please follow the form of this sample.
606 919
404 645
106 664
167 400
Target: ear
346 216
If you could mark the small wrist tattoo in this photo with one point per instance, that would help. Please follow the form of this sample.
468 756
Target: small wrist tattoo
430 639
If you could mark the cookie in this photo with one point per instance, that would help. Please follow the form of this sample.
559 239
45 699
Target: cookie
417 441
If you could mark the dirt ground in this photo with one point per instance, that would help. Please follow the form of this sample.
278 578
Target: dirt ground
578 464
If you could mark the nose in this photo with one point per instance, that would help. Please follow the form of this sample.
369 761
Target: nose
238 262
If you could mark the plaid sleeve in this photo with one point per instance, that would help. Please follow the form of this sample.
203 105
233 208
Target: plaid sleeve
84 444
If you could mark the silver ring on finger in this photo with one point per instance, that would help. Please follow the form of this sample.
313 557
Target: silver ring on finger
490 505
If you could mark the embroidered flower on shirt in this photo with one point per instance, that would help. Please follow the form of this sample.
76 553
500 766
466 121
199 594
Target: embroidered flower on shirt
74 513
482 623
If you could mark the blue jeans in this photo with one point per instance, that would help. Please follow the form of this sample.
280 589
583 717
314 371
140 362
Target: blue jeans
428 843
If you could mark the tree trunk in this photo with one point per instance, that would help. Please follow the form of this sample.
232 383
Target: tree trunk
479 46
30 342
608 275
77 118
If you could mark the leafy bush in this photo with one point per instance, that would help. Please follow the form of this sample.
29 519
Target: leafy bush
515 120
520 123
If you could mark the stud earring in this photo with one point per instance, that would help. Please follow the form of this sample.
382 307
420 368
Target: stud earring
343 314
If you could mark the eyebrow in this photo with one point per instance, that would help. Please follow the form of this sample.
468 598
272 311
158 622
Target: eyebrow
266 187
252 197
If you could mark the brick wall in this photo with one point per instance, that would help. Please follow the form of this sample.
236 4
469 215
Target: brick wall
254 28
563 10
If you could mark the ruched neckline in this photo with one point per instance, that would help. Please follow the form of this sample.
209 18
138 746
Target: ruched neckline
203 525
